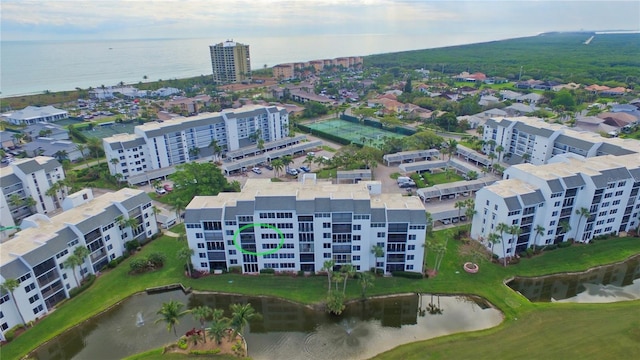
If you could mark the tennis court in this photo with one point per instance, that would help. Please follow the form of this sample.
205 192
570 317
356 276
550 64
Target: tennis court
356 133
106 130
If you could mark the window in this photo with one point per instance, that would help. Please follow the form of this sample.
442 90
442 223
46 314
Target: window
552 223
326 246
381 234
326 236
409 267
605 204
203 265
411 247
356 237
109 247
357 227
613 211
615 202
200 246
232 252
34 298
557 203
356 257
326 225
410 257
37 309
233 262
29 287
412 237
555 213
202 255
327 255
619 193
356 248
4 326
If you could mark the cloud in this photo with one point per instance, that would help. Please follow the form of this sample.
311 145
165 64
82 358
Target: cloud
83 19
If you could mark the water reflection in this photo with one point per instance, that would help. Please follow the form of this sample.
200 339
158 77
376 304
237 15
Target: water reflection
286 330
617 282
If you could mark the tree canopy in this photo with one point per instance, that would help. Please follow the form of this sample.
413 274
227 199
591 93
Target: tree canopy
198 179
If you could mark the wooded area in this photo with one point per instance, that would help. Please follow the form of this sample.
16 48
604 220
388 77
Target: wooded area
552 56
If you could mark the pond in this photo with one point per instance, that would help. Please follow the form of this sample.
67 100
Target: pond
609 283
286 330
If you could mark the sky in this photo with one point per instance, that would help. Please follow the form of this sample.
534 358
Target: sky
140 19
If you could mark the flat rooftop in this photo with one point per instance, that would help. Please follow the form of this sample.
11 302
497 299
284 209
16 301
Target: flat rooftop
306 191
511 187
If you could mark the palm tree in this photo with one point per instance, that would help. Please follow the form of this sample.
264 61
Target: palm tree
493 238
81 252
95 147
178 205
185 254
309 160
278 165
539 230
378 252
240 317
218 328
502 228
514 231
525 158
348 271
452 147
114 162
460 205
470 212
328 267
170 313
193 152
287 160
366 281
216 148
438 247
202 313
10 285
499 150
565 226
72 262
82 148
61 155
492 156
583 213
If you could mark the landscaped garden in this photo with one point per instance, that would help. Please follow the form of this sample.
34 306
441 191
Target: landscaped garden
529 326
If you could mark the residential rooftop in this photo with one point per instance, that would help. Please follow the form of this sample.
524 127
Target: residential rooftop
47 228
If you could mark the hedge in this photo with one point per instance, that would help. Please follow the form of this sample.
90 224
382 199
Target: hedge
267 271
85 285
407 274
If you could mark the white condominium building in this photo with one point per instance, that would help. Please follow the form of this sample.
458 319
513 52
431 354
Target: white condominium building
536 141
35 255
571 197
157 145
305 224
24 179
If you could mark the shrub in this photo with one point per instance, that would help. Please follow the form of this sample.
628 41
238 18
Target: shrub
157 259
235 269
267 271
377 271
182 343
407 274
301 273
88 281
551 247
530 252
112 264
131 245
11 333
205 352
138 264
564 244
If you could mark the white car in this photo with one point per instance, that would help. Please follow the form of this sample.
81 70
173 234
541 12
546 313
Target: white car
256 170
161 191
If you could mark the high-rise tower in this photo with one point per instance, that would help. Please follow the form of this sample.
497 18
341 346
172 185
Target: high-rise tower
230 62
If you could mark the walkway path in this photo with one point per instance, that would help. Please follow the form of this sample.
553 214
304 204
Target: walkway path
171 234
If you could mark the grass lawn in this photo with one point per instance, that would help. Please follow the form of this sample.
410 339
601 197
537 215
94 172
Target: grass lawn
555 331
116 285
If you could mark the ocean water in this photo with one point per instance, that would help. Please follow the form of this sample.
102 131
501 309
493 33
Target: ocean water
29 67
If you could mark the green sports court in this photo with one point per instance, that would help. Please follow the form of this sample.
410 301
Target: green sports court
353 132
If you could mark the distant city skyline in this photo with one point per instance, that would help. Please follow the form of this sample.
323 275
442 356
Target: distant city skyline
234 19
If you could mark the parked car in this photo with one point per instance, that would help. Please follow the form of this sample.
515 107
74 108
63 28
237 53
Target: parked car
160 191
311 153
305 168
168 187
268 167
256 170
446 221
292 172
